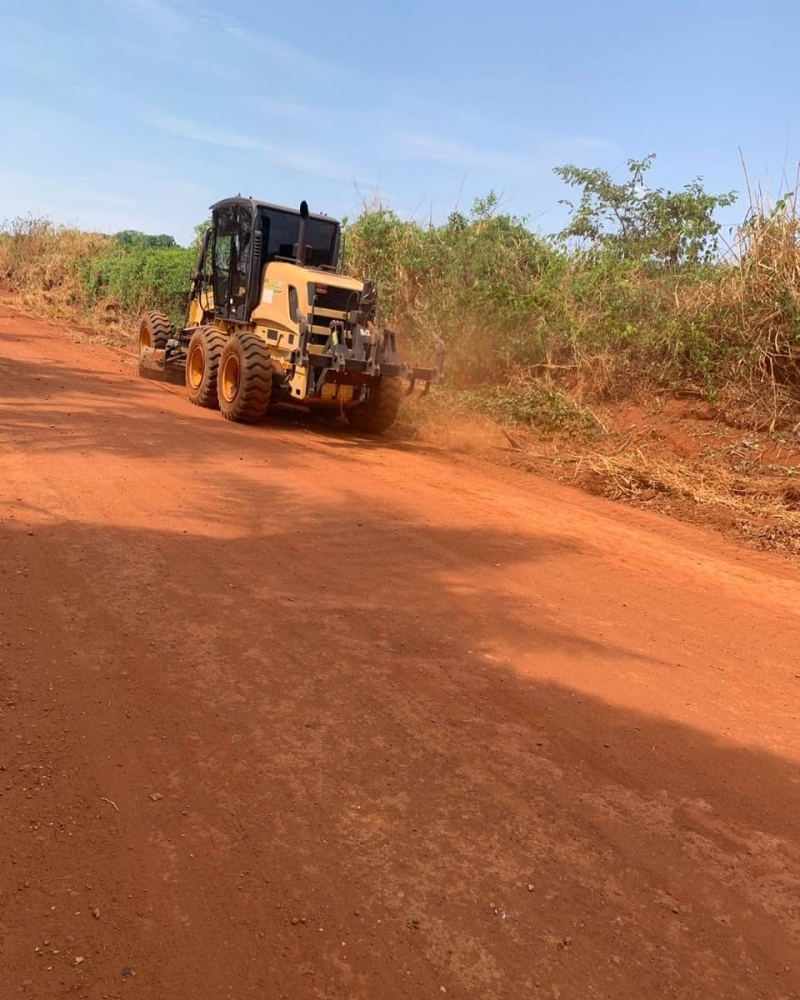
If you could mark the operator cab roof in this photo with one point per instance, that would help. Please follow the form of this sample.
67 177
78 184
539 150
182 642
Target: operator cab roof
254 204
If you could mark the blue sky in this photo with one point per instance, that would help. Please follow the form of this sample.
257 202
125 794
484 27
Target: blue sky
138 114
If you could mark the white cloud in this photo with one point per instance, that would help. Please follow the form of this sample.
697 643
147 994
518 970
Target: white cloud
285 155
176 15
426 147
278 50
460 154
205 133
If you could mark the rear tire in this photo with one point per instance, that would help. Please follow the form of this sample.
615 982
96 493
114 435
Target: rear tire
244 383
154 331
380 410
202 365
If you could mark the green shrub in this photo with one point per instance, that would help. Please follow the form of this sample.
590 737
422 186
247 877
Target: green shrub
532 405
138 277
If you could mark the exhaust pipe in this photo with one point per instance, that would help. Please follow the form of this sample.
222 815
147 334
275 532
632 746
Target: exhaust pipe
302 235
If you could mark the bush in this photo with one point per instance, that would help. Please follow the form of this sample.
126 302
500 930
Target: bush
138 277
69 272
532 405
471 281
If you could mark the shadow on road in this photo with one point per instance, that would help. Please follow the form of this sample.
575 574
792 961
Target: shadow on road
345 741
37 397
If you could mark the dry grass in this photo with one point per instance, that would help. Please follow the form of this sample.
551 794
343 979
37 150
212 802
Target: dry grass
725 485
45 270
755 301
767 513
632 475
44 265
90 278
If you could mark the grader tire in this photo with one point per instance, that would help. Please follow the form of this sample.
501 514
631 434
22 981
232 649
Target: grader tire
154 331
202 365
244 383
380 410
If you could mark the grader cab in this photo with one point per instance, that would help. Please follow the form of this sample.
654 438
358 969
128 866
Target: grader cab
271 319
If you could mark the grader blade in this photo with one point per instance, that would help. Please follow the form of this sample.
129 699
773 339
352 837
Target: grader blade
162 366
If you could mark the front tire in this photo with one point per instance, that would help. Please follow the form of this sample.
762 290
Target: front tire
202 365
380 410
244 383
154 331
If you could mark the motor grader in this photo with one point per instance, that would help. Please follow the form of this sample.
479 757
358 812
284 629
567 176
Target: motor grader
271 319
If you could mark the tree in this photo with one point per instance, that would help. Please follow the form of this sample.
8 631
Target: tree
133 238
634 222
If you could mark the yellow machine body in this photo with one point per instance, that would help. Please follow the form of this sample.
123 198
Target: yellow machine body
271 319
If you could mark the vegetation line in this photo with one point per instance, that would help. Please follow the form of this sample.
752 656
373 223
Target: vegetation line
636 295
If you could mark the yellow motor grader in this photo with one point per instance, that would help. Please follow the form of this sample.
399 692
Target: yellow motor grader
271 319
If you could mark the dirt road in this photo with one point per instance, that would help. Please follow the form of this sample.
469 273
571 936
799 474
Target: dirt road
284 714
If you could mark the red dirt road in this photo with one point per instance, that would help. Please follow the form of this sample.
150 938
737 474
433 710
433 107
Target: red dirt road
286 714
